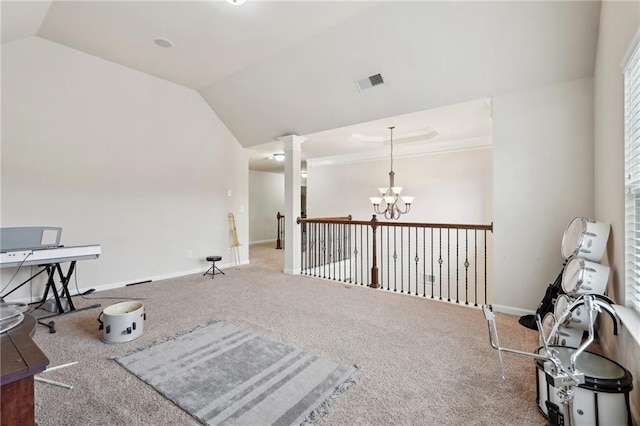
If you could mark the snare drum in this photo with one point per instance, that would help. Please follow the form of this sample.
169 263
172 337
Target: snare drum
604 397
583 277
585 238
579 317
122 322
564 336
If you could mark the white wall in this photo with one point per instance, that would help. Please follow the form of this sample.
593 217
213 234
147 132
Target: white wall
119 158
537 177
619 22
453 187
542 178
266 193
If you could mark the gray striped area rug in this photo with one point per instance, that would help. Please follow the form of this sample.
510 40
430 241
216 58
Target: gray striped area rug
223 375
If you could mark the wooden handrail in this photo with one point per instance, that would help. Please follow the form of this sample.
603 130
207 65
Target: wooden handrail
334 219
343 219
375 224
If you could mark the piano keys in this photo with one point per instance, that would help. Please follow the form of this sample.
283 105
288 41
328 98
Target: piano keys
42 256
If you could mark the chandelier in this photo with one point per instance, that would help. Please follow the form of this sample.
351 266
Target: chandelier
390 203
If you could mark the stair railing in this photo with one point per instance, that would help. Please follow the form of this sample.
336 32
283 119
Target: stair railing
443 261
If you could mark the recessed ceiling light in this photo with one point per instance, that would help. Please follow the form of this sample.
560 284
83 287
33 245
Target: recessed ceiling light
237 2
163 42
277 156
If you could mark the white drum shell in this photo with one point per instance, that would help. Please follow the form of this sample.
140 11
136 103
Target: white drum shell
585 238
581 276
123 322
548 322
561 304
579 318
571 337
612 406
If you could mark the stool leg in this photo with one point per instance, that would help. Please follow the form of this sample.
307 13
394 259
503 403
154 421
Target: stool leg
210 269
213 267
219 271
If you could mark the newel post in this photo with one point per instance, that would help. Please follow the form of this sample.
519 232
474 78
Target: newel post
374 263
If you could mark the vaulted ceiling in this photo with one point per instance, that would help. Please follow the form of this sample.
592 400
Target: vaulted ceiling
270 68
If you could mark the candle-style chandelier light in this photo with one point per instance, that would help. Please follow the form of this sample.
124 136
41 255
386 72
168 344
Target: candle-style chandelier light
390 203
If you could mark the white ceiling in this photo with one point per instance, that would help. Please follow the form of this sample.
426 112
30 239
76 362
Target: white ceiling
462 126
212 39
272 68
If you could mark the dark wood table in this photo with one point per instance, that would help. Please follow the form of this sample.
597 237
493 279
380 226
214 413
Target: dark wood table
20 360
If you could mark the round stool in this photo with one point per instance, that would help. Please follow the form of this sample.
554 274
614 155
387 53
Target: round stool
214 268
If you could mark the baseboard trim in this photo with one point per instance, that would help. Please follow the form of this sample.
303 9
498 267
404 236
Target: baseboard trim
262 241
144 280
511 310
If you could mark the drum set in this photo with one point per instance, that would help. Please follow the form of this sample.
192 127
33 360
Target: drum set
576 387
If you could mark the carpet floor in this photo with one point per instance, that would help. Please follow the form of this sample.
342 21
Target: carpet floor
425 362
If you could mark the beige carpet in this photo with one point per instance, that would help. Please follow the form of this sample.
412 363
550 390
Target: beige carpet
424 362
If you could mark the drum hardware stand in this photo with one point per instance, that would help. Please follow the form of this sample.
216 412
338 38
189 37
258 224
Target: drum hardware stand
53 382
594 304
562 377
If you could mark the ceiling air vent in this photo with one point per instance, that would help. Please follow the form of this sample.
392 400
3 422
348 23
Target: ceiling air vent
369 82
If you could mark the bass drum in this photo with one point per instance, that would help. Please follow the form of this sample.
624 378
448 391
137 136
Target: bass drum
579 318
583 277
585 238
603 399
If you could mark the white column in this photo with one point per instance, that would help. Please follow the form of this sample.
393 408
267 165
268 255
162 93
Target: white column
292 180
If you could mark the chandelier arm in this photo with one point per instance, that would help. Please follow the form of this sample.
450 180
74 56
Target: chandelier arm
405 210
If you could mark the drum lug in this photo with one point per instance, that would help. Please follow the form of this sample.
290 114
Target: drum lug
133 325
108 330
128 331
